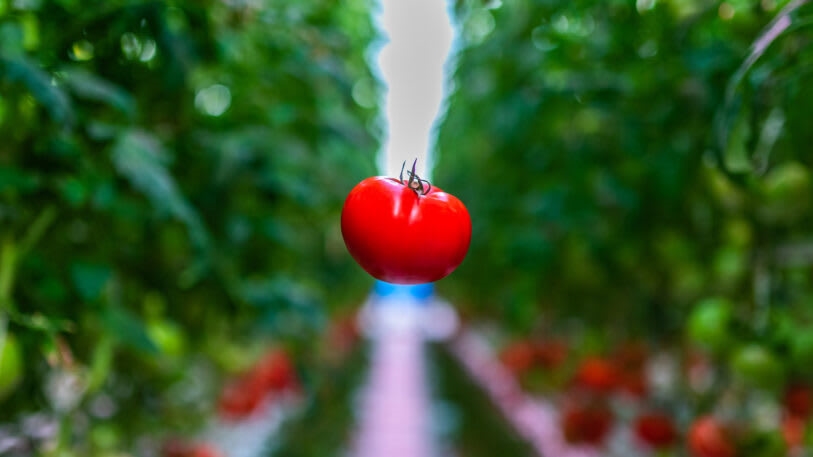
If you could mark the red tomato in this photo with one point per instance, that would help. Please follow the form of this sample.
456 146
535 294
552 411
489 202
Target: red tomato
178 448
342 336
403 235
588 424
798 400
518 357
793 430
598 375
551 354
274 372
240 399
656 430
205 450
709 438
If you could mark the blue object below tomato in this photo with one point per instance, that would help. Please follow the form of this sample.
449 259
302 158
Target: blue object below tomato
420 292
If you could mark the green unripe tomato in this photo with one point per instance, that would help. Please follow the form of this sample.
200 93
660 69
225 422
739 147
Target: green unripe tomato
755 366
785 192
11 365
787 180
168 337
709 325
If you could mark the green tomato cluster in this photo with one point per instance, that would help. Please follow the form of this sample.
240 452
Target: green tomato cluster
11 365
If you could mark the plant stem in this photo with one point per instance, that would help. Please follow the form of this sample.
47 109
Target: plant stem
37 229
8 269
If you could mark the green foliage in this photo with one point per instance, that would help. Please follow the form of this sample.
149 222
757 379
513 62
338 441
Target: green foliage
189 154
622 160
470 423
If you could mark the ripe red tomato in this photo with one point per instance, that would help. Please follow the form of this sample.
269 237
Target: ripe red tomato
798 400
793 430
178 448
588 424
709 438
205 450
656 430
402 234
551 354
274 372
239 399
598 375
517 357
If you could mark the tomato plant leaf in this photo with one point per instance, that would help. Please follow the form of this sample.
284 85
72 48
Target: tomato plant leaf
93 87
38 82
90 279
140 157
127 328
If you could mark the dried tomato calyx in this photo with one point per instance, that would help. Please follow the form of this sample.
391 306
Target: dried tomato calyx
420 186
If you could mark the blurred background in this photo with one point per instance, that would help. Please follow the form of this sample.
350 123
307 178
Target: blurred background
638 175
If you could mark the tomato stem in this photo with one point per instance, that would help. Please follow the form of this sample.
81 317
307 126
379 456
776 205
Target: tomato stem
418 185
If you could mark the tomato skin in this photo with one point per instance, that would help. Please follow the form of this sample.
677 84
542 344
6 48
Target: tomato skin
597 375
587 424
798 400
518 357
240 399
708 438
793 430
401 236
275 372
177 448
551 354
655 429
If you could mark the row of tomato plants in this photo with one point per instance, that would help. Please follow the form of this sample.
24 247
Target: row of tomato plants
719 392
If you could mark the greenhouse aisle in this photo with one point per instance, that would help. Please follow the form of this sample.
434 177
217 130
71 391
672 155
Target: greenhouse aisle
396 406
395 419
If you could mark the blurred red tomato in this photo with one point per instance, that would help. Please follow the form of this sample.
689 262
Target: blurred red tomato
633 383
587 424
798 400
518 357
655 429
343 334
707 437
275 372
550 354
793 430
598 375
205 450
240 399
178 448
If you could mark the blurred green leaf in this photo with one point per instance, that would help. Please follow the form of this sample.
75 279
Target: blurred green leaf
140 157
39 83
92 87
128 329
90 279
13 180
